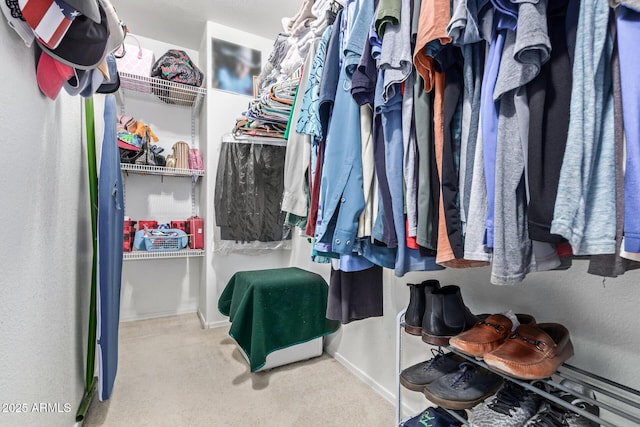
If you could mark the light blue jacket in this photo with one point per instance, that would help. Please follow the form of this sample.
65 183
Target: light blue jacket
342 197
585 207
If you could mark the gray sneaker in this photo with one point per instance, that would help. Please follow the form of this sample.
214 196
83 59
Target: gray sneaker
463 388
512 406
417 376
551 415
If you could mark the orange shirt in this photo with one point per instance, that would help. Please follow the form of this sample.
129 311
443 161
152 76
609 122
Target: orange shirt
432 25
434 18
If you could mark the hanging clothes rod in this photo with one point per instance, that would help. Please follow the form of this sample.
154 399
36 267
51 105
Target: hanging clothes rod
333 10
230 138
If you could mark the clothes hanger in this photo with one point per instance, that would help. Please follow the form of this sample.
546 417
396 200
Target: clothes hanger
333 10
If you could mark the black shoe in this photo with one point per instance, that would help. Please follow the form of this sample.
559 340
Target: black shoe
445 315
417 376
415 309
552 414
464 388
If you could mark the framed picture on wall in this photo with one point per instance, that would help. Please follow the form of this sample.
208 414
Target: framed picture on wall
234 67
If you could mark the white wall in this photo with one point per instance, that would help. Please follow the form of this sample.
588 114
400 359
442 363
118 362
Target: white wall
221 111
46 247
159 287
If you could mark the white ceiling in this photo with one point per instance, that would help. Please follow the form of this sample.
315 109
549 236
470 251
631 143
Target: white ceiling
182 22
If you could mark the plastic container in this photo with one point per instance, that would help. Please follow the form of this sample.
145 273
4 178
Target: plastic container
129 233
149 223
179 225
165 240
195 230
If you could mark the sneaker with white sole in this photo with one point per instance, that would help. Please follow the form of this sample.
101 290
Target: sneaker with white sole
551 415
511 406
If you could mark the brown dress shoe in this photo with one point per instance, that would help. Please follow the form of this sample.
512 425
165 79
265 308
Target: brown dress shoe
532 352
487 334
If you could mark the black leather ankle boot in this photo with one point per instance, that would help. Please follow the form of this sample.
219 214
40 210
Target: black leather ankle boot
415 310
445 315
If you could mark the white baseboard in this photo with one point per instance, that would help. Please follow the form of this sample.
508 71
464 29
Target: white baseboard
133 318
364 377
211 325
218 324
203 322
386 394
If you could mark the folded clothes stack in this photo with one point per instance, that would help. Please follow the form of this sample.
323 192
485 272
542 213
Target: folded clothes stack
267 115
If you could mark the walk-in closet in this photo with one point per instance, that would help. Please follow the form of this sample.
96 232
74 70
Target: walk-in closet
320 213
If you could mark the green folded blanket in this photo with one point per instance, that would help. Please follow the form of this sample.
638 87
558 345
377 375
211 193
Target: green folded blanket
274 309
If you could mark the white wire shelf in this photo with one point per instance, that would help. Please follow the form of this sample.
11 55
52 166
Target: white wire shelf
144 255
159 170
170 92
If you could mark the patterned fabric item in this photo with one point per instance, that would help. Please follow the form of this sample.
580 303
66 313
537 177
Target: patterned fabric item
14 6
13 15
135 60
49 20
176 66
511 406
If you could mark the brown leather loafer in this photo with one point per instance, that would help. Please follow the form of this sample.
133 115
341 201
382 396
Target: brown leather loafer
532 352
487 334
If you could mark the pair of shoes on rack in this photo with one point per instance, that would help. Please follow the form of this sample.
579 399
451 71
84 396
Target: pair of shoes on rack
513 406
449 381
416 377
464 387
433 417
551 414
529 351
436 313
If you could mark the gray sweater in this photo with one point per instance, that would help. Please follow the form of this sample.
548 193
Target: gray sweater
525 51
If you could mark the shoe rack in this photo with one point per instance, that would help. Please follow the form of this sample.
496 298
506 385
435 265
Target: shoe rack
612 398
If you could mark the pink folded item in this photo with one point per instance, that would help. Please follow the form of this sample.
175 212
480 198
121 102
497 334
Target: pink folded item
127 146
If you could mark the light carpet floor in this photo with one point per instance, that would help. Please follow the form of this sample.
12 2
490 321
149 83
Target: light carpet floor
171 372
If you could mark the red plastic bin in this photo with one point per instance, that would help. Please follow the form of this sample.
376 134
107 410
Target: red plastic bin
129 233
195 230
180 225
150 223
